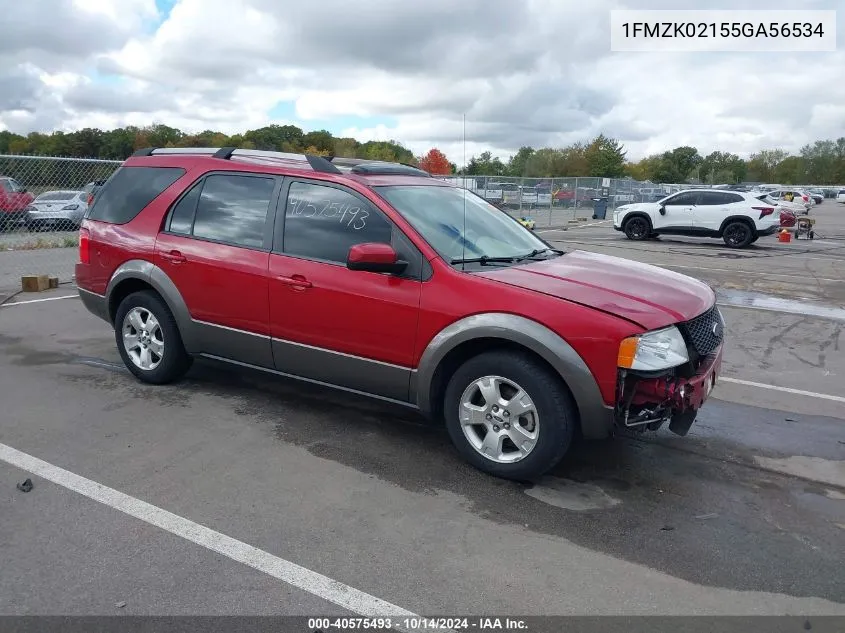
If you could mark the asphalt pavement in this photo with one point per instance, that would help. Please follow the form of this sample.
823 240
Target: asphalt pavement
746 515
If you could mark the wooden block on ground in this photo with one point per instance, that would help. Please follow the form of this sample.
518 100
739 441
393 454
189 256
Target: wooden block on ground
54 282
35 283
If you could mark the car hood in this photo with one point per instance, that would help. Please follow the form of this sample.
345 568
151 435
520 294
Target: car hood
649 296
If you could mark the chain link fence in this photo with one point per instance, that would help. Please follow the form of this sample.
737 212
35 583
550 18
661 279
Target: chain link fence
42 203
559 202
43 200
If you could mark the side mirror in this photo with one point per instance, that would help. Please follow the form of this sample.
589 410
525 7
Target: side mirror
375 258
662 210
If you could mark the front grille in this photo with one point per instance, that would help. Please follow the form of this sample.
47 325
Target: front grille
705 332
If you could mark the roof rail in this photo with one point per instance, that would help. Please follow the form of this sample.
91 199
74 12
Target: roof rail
380 167
322 164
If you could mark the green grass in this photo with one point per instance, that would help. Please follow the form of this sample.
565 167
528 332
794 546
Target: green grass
27 243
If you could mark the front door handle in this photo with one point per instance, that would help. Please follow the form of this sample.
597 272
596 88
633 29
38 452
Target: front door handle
174 257
297 282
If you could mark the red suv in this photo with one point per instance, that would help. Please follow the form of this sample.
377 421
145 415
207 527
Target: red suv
14 201
378 279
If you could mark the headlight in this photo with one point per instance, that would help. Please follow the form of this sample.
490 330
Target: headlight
653 351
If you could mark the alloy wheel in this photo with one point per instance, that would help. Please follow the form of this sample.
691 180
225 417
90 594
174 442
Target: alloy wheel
499 419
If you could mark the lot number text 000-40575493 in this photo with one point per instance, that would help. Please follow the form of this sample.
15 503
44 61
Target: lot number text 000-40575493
723 31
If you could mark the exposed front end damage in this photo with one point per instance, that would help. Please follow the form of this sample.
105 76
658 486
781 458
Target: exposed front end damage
646 400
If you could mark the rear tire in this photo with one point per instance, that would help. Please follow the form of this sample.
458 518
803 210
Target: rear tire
533 431
737 234
637 228
148 339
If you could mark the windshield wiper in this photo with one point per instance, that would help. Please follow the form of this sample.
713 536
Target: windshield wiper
484 260
540 251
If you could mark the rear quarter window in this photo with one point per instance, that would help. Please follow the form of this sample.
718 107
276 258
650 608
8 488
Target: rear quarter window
129 190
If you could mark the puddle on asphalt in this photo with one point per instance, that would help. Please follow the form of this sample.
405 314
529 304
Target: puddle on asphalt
823 471
571 495
803 307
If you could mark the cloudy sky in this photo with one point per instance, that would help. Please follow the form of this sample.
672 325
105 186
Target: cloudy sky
524 72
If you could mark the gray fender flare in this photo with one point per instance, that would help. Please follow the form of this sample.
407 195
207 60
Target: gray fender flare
158 279
596 417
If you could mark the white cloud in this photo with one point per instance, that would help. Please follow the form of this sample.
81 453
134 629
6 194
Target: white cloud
537 72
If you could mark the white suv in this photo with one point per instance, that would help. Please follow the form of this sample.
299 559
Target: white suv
738 218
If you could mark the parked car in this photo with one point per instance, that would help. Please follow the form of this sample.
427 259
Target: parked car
782 204
62 210
737 218
14 199
528 223
378 279
91 190
840 197
797 196
817 195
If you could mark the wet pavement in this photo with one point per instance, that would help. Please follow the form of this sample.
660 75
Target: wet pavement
759 301
746 515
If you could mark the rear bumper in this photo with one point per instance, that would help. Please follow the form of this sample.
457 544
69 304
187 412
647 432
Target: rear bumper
14 218
96 304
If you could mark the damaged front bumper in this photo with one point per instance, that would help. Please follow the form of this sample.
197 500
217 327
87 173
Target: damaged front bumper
647 401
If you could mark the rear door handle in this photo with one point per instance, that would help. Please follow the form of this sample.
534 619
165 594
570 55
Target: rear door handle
298 282
174 257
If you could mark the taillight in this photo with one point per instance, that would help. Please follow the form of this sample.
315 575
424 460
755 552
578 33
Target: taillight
805 198
90 199
764 211
84 246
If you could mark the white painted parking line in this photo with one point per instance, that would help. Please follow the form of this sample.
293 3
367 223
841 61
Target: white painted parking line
576 226
764 273
23 303
798 392
314 583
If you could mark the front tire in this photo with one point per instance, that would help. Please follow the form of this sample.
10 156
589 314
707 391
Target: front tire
637 228
509 416
737 234
148 339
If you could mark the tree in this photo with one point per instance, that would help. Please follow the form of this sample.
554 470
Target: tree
605 158
644 169
435 162
722 167
485 165
761 165
518 163
792 170
677 166
821 162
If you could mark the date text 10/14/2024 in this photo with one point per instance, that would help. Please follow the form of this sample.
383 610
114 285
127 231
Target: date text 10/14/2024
417 623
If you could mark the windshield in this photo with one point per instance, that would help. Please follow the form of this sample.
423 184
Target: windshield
438 214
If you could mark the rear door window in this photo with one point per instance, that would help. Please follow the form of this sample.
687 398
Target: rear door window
233 209
226 208
130 190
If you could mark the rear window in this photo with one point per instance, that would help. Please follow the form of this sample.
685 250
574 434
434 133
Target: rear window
131 189
58 195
